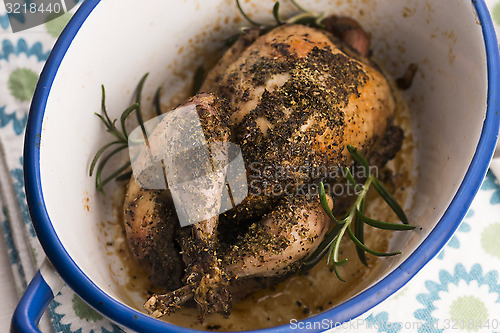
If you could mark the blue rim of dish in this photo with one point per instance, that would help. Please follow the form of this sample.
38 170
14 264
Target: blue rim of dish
350 309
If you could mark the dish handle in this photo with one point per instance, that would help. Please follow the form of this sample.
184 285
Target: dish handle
45 284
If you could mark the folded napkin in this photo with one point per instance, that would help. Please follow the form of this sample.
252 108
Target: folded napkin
456 290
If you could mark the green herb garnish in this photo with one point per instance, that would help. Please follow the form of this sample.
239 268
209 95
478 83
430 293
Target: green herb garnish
157 103
120 141
304 17
356 214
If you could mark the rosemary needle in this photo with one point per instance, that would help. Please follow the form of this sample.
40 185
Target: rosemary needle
139 112
252 22
299 7
157 102
276 14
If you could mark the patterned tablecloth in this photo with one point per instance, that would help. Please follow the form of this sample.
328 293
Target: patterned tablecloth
460 286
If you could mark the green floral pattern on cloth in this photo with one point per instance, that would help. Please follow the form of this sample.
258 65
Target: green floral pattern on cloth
55 26
22 83
495 13
459 287
84 311
490 239
468 309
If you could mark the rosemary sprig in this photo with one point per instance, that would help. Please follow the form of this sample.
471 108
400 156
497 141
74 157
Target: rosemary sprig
356 214
304 17
120 141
